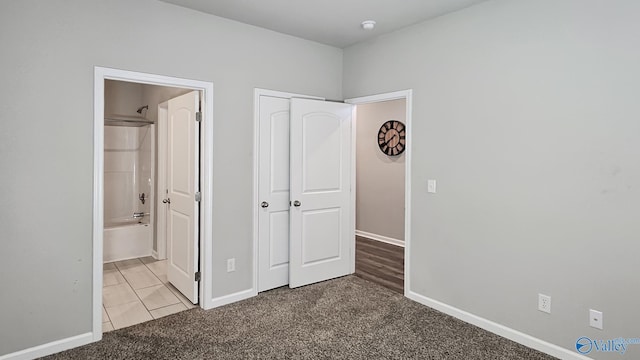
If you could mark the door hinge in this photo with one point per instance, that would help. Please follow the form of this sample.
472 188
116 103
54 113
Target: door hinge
197 276
198 196
199 116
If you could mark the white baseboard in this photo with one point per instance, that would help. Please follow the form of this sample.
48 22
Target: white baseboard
50 348
377 237
231 298
498 329
156 255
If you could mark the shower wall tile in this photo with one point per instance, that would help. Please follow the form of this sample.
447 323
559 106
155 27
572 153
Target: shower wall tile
119 161
119 199
127 170
145 166
120 138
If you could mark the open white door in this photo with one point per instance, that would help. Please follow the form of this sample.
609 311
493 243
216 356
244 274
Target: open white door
320 240
273 216
183 184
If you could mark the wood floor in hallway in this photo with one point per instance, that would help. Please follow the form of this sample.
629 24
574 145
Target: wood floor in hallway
380 263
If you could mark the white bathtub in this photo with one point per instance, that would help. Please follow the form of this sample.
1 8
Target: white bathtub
127 239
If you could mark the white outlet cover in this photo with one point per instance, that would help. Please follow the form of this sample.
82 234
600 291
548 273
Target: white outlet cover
544 303
595 319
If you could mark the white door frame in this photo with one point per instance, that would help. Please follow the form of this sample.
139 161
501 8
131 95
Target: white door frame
407 95
206 206
161 180
256 167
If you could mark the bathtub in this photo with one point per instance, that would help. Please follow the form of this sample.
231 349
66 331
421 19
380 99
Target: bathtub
127 239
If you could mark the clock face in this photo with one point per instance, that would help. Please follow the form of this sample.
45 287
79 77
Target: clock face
392 138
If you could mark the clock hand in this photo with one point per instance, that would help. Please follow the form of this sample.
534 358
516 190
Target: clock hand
388 141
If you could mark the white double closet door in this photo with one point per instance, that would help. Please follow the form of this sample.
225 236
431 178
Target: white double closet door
304 224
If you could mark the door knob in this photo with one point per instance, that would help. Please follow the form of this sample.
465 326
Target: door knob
167 201
264 204
297 203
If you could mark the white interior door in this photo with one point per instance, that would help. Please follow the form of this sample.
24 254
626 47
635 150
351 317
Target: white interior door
320 191
183 183
273 192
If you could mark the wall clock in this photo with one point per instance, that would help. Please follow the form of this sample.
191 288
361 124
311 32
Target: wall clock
392 138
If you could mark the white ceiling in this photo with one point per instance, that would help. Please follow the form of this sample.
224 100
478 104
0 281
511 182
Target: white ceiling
331 22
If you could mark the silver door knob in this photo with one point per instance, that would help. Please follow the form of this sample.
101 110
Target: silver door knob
264 204
296 203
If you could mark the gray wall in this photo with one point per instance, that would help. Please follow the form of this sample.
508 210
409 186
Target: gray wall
49 50
122 98
379 178
527 113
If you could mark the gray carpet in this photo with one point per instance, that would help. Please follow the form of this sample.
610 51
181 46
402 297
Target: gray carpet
346 318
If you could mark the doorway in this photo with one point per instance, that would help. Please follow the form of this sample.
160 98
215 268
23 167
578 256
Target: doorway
264 249
380 188
195 182
141 279
385 249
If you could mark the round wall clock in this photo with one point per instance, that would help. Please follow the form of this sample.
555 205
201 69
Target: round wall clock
392 138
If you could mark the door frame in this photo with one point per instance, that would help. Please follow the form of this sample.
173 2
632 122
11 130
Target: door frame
206 176
161 181
257 92
407 95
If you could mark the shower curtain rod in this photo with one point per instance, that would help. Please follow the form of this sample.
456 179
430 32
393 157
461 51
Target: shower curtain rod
121 120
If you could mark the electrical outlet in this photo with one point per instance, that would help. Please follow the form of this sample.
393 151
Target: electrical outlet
544 303
431 186
231 265
595 319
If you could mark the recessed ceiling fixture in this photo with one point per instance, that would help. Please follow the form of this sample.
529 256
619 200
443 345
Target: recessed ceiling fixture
368 24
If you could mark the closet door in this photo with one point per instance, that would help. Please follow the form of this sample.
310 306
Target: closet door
320 230
273 193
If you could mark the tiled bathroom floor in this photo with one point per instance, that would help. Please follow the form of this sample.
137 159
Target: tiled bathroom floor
137 290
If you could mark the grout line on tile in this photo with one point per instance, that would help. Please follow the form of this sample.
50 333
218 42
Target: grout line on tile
105 311
130 302
134 290
176 293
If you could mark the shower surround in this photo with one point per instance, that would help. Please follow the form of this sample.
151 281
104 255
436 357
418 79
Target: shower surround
128 173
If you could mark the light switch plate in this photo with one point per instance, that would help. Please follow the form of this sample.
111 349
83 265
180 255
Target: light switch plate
231 265
431 186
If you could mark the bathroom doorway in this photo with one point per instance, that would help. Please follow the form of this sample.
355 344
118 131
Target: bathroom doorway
152 145
136 285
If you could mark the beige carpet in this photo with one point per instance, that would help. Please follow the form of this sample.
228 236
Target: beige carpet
346 318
